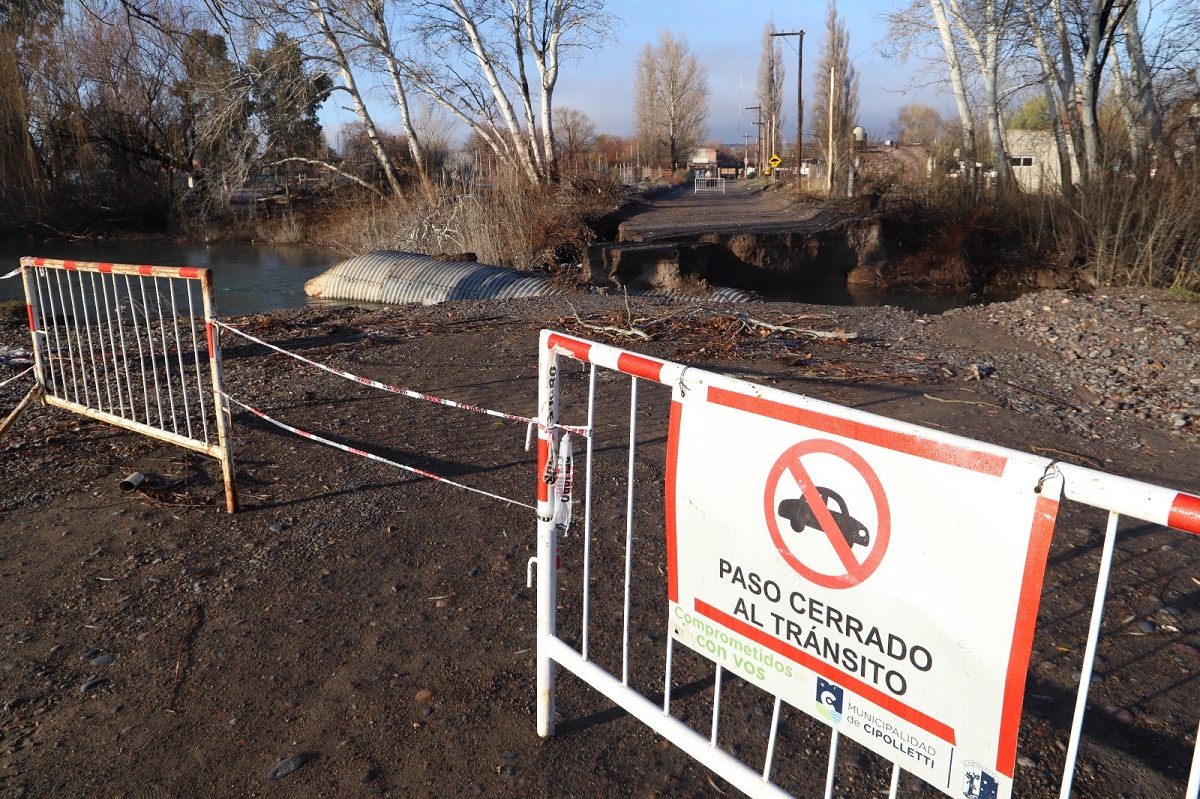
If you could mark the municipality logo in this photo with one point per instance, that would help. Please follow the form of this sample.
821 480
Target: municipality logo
978 783
829 701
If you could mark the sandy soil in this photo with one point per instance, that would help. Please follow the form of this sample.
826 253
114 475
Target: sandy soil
357 631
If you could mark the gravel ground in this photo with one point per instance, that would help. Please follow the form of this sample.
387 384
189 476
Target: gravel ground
1123 354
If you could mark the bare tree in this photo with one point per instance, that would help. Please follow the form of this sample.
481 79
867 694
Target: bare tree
1058 81
835 98
29 141
770 87
476 64
671 100
575 133
917 123
1145 123
958 84
987 27
493 65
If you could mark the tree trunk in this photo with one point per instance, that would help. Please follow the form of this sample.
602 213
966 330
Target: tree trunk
959 86
1091 81
547 61
360 107
1056 94
1141 88
384 43
505 106
1072 124
1133 125
987 58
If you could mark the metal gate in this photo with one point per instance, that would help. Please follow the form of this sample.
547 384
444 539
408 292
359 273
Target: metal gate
134 346
628 667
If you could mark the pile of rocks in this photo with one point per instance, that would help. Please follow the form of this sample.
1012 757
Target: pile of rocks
1127 353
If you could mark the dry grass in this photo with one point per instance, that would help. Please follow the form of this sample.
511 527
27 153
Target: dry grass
508 222
1116 229
1126 229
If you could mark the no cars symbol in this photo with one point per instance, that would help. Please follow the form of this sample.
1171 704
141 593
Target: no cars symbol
810 509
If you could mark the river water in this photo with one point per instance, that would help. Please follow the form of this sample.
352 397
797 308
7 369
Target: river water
247 277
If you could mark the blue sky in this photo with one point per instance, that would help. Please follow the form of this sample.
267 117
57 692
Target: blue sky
726 36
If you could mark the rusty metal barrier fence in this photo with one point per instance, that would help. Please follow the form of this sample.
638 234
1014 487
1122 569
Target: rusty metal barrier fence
747 694
134 346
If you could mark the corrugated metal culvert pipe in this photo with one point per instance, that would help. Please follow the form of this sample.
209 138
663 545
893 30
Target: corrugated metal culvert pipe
391 277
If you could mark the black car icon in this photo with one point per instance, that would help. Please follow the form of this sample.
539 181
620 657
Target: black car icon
801 516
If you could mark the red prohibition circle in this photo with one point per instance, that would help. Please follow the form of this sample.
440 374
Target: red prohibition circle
856 572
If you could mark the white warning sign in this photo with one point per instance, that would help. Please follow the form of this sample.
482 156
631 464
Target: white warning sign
881 577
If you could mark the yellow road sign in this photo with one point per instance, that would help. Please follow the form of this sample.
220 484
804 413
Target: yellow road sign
775 160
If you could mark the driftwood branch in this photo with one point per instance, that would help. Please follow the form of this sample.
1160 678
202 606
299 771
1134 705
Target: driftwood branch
330 167
22 406
628 332
750 321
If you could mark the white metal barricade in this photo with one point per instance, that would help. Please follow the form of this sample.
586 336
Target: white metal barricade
709 184
134 346
634 686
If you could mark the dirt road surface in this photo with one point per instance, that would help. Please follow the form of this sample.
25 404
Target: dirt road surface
359 631
743 207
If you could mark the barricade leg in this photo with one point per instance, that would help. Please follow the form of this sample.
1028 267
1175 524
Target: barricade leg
221 405
1193 789
547 543
1089 654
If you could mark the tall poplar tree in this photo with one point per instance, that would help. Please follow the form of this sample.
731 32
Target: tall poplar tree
770 88
836 109
671 100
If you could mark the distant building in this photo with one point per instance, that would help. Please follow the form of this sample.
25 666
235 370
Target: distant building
704 161
1033 156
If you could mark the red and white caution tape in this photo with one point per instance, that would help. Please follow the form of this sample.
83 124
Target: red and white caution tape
370 456
583 431
13 273
15 378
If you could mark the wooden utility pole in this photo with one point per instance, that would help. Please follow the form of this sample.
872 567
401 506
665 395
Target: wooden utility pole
829 160
799 103
757 138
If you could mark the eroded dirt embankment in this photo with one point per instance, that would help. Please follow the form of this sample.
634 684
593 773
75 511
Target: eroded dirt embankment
748 237
744 237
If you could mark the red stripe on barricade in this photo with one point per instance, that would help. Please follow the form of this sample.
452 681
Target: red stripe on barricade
1185 514
579 349
189 271
68 265
208 332
39 261
829 672
672 464
1044 513
639 366
543 491
907 443
143 269
29 312
106 268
